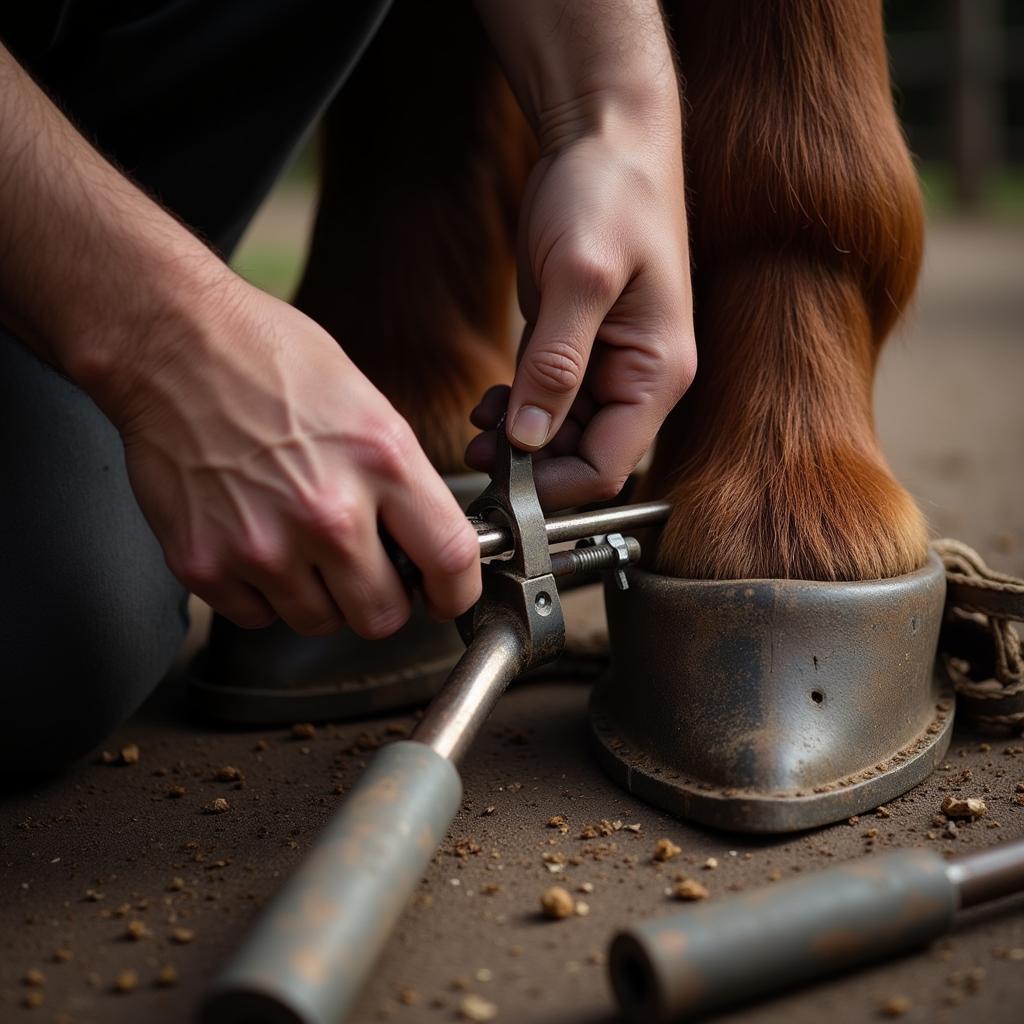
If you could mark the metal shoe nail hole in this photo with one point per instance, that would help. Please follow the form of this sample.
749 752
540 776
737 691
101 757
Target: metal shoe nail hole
817 696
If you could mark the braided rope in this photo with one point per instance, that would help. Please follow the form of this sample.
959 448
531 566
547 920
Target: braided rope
981 602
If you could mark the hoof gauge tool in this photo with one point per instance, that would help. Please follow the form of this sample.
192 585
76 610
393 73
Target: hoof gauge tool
306 959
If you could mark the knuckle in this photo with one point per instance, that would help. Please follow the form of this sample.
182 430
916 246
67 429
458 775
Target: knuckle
197 570
262 557
592 275
332 515
388 448
556 368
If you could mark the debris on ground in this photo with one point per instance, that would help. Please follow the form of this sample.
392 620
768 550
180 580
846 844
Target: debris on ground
136 931
33 999
176 792
62 956
710 864
229 773
556 903
182 936
167 976
128 754
690 890
582 908
476 1008
34 978
558 821
967 807
605 828
665 849
125 982
895 1006
303 731
218 806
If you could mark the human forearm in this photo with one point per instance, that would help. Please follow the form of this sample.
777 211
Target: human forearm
580 65
88 262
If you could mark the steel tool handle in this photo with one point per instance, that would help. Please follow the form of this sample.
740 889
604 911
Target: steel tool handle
306 961
721 953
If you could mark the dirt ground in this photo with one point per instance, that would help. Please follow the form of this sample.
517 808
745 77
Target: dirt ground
84 856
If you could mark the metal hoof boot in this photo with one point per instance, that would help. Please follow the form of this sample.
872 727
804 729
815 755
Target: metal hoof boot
772 705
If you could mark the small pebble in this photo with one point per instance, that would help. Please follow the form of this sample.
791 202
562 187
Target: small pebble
62 956
126 981
556 903
229 773
218 806
476 1008
710 864
895 1006
34 978
303 731
130 754
167 976
136 931
182 936
33 999
690 891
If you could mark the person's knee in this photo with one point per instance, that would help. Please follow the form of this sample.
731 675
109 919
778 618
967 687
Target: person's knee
77 676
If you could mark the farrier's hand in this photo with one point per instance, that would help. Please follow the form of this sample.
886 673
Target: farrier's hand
608 347
604 280
264 460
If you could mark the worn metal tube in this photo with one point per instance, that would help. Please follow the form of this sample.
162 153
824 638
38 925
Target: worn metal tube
988 874
309 955
715 954
489 664
495 540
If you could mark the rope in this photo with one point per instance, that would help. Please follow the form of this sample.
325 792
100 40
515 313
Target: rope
979 645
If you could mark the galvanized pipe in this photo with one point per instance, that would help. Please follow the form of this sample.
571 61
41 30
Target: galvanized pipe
716 954
496 539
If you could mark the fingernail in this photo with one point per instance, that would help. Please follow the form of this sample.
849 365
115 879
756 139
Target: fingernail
530 427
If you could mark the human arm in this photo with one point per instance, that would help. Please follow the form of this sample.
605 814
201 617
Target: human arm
262 458
604 283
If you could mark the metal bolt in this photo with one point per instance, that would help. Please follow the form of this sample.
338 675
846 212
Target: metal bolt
618 543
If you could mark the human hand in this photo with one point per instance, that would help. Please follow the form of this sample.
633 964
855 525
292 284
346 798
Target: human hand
264 460
604 286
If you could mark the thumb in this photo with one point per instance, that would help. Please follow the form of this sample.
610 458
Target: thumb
553 361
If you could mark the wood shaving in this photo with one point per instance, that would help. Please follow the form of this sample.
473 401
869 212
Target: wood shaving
968 808
556 903
665 849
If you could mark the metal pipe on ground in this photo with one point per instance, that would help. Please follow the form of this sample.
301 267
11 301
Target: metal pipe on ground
306 960
715 955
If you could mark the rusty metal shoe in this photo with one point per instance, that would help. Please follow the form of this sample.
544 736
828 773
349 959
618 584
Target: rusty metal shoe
274 675
773 705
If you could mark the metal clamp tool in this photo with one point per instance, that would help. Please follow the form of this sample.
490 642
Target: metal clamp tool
306 960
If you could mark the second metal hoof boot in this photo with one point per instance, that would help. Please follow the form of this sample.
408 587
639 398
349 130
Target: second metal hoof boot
773 705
